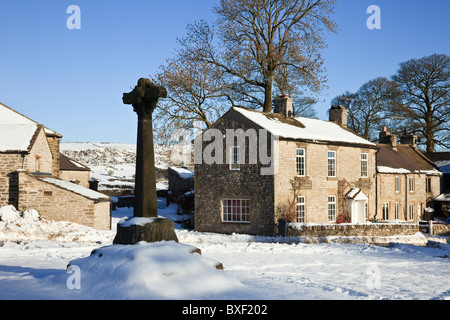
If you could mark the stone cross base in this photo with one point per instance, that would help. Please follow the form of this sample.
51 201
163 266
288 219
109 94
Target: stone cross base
145 229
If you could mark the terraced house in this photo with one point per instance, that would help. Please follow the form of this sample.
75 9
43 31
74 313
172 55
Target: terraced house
30 175
320 167
408 181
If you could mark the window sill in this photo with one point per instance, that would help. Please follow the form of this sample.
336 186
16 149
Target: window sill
237 222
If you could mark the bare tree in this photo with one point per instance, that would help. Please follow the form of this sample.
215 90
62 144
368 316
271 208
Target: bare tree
425 84
254 40
193 101
369 108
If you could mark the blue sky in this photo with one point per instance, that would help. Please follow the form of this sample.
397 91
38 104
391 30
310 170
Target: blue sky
72 81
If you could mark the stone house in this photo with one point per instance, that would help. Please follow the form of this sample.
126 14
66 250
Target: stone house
71 170
251 164
29 175
407 181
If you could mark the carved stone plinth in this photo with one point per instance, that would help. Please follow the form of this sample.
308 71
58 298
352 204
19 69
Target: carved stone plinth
145 229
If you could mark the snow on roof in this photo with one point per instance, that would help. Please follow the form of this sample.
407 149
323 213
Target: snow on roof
443 197
183 172
383 169
352 193
10 116
88 193
16 137
312 129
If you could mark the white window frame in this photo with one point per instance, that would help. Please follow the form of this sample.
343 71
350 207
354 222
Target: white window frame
364 165
236 210
385 213
301 209
332 168
300 162
411 212
234 158
332 205
397 184
411 184
397 210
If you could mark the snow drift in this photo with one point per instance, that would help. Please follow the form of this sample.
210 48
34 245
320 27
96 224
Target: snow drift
159 270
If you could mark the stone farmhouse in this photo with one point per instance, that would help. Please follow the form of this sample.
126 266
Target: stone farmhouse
321 173
31 172
325 169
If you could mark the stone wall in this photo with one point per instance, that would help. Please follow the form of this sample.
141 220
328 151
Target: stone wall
54 203
215 182
352 230
9 163
82 176
40 157
441 230
54 143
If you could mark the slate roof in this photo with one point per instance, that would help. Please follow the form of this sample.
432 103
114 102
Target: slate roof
405 159
67 164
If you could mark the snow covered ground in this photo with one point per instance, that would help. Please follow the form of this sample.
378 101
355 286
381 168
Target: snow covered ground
34 255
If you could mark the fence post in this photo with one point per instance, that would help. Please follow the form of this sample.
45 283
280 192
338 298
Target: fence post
431 227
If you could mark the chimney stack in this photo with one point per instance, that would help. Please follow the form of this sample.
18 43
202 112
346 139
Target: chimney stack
283 104
408 138
338 115
387 138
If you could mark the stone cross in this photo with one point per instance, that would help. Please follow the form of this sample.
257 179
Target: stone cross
144 99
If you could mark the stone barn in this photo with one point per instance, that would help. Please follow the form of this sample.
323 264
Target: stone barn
30 170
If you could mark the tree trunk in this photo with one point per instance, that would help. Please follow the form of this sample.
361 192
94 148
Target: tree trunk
268 94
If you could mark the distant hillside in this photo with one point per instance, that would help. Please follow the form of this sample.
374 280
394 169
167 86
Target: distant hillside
113 164
100 154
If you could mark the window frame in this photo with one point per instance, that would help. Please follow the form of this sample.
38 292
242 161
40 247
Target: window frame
300 165
332 205
428 185
385 212
397 211
411 184
235 158
238 215
332 166
397 184
298 206
411 212
365 163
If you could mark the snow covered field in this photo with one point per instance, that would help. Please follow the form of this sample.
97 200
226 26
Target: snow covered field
34 255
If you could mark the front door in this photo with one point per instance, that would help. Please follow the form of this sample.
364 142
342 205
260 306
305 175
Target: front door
358 212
